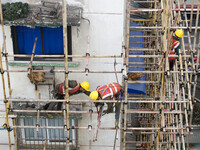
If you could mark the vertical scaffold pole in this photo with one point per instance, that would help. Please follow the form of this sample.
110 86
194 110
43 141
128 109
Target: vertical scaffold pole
64 15
3 81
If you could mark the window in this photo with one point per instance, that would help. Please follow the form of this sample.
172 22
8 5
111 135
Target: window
49 42
56 136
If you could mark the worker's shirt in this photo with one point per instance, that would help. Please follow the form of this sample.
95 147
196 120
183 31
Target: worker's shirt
176 45
109 91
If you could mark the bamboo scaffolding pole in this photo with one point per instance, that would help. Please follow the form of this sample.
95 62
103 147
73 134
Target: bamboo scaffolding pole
38 113
135 111
175 106
155 22
195 77
75 101
164 47
68 56
63 71
75 71
183 90
159 27
178 97
189 35
145 2
102 128
8 75
6 125
126 61
159 72
66 111
141 49
9 116
87 56
191 15
157 56
139 20
160 10
32 56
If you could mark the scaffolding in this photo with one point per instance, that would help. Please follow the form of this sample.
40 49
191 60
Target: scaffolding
164 110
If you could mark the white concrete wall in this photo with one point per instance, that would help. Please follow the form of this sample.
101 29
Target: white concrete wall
106 36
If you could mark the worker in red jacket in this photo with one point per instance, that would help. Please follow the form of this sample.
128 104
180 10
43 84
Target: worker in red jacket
111 91
176 45
74 88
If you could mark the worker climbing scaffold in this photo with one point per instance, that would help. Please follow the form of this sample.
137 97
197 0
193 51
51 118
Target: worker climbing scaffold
175 46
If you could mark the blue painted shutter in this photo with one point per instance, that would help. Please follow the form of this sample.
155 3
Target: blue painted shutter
53 40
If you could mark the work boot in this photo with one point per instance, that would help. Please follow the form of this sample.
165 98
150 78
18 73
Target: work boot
109 109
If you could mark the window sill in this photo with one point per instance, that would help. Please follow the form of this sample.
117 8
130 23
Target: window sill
43 64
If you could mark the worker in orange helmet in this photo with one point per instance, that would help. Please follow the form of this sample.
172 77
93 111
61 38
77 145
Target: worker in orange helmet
73 88
111 91
176 45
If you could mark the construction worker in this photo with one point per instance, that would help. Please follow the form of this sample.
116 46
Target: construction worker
108 92
74 88
176 45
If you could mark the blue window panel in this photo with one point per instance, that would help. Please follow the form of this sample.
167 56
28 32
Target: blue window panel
53 40
26 38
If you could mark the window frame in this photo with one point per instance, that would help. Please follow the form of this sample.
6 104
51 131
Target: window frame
16 51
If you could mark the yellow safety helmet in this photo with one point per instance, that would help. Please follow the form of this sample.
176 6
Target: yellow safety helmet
85 85
179 33
94 95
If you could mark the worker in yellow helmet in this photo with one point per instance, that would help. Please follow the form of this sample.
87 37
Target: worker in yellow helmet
176 45
111 91
73 88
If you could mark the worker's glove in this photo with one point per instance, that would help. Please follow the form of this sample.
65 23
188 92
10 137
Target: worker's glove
116 123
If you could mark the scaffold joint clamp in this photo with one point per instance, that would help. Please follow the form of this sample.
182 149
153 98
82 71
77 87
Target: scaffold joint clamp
87 54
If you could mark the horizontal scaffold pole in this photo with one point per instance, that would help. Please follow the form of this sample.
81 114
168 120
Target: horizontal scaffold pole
159 10
62 71
102 128
73 102
69 56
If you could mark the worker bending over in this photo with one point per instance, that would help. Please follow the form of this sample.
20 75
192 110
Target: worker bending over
74 88
111 91
176 45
